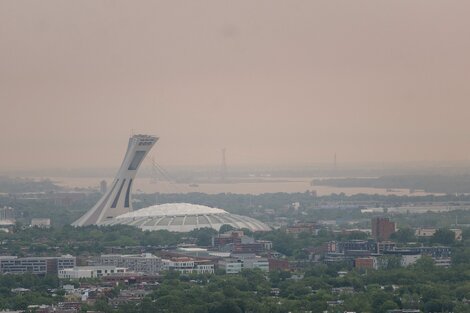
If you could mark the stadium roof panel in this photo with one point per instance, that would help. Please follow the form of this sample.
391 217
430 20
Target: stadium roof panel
184 217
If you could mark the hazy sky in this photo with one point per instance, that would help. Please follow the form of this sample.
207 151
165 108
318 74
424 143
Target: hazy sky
288 82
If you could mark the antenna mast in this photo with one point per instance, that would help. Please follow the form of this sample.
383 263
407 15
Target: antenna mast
223 168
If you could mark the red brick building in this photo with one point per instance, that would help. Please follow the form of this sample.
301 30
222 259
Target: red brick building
382 228
278 265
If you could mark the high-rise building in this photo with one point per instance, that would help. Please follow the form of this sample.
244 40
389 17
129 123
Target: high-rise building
117 199
382 228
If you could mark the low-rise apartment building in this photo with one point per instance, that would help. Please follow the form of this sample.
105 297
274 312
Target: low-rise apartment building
91 272
187 265
146 263
35 265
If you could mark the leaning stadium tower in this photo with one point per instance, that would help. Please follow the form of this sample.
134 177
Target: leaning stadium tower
118 198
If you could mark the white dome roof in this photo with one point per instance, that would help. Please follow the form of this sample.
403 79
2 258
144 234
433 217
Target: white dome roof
174 209
184 217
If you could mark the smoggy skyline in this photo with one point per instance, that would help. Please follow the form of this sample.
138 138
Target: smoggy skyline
274 82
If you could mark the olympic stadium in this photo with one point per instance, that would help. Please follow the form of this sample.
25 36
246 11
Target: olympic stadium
184 217
115 206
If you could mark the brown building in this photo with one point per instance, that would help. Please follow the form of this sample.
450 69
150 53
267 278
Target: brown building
298 228
382 228
230 237
278 265
248 248
366 262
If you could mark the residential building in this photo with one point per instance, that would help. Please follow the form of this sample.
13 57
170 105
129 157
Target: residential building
425 232
256 263
146 263
187 265
435 252
231 265
385 246
382 228
407 256
91 272
230 237
247 247
354 245
35 265
237 262
429 232
236 241
66 261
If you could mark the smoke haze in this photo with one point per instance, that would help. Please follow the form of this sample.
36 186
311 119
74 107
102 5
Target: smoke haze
274 82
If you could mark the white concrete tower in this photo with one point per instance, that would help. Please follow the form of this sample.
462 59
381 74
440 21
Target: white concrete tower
118 198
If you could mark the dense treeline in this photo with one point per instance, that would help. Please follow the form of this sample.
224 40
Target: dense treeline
422 286
41 290
94 239
251 205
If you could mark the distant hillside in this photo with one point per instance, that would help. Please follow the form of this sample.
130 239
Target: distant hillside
21 185
428 183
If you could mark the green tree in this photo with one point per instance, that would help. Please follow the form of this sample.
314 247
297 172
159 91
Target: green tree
203 236
225 228
404 235
227 306
443 236
388 305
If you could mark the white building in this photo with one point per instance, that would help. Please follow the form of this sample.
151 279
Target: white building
41 222
187 265
425 232
443 262
146 263
231 265
237 263
260 263
407 260
204 268
193 251
91 272
429 232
